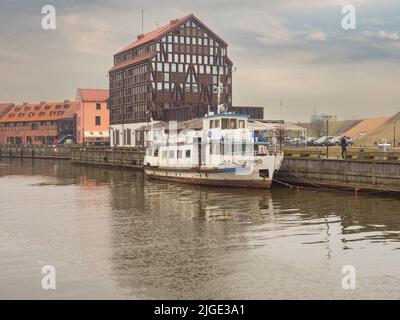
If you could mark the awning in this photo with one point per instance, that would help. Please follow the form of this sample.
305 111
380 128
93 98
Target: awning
97 134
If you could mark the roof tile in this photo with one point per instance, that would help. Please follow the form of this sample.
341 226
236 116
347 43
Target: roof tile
93 95
50 111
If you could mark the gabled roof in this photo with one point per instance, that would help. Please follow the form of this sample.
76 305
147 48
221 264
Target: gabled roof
49 111
92 95
146 56
4 108
156 33
161 31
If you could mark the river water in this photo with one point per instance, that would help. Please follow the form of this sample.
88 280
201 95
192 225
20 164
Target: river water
115 234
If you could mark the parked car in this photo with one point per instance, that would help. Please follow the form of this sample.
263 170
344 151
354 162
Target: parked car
349 141
67 139
334 141
310 141
322 141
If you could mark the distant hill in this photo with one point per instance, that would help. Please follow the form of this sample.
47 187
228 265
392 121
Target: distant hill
365 127
383 131
336 128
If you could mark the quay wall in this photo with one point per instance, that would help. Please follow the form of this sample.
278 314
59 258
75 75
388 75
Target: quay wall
369 175
301 167
113 157
35 151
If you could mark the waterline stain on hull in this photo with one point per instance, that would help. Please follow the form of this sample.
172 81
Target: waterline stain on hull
228 179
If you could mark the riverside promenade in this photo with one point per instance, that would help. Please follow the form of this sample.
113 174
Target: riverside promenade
364 169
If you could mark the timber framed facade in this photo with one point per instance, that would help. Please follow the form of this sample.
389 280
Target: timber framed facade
171 73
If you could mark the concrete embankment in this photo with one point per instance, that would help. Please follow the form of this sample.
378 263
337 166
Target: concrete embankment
361 171
110 157
39 152
358 175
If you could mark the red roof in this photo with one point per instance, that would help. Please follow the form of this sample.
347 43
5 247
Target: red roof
4 107
146 56
156 33
92 95
48 111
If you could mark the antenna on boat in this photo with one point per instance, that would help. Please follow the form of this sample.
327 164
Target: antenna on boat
142 21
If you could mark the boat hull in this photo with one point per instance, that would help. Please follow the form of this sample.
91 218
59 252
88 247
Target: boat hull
220 179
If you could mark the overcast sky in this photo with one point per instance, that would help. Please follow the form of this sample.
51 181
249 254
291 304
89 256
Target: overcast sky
290 50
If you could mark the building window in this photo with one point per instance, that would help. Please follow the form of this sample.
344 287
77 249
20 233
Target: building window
98 106
98 121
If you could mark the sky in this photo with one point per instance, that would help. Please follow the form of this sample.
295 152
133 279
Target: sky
294 51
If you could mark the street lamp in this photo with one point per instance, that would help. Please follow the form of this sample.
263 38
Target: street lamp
394 133
327 118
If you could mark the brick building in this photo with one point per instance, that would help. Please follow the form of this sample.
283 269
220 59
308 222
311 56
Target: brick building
4 108
38 123
171 73
92 116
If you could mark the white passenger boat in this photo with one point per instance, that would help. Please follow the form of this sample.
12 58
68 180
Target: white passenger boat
223 153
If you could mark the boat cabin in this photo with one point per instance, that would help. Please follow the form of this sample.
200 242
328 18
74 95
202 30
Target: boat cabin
227 121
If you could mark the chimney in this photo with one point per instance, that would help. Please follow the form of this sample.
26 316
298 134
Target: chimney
140 36
66 101
172 22
42 102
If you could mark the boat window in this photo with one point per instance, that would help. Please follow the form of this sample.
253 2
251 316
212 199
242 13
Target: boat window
211 124
241 124
233 124
224 123
187 153
180 154
164 154
244 146
172 153
216 123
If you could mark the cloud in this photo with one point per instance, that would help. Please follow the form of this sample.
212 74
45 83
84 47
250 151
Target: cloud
268 29
271 30
291 48
317 36
389 35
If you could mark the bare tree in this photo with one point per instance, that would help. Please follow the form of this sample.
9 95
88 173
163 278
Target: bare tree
318 127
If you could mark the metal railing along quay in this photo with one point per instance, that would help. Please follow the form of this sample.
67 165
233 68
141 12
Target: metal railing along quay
354 153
